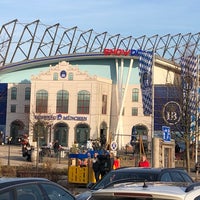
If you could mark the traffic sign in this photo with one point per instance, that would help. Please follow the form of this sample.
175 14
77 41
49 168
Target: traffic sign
113 146
166 133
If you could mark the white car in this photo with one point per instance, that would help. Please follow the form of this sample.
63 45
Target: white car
149 191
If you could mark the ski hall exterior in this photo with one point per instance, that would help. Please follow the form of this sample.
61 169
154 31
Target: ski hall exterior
78 91
82 101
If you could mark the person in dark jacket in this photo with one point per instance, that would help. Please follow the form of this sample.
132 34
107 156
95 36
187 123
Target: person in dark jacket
96 166
105 164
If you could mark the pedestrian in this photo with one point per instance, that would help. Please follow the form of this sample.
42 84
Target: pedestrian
116 163
56 148
144 162
96 166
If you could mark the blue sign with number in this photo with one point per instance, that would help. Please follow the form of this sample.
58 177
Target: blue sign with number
166 133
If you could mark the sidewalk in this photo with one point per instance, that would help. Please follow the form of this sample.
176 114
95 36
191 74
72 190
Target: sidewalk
15 157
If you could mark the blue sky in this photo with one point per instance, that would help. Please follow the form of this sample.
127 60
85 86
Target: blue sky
126 17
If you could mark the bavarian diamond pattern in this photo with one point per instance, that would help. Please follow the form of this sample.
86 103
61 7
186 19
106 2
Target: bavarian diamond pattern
145 73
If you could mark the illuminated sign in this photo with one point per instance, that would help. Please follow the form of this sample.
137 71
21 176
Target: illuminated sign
122 52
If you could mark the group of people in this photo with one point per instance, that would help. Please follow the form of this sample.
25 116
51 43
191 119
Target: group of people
102 164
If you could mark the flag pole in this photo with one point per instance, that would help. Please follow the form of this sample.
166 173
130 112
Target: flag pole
197 116
152 115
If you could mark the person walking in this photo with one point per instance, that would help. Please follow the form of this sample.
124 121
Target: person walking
144 162
56 148
96 166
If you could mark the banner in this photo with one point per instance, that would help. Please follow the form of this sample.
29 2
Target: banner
189 74
145 73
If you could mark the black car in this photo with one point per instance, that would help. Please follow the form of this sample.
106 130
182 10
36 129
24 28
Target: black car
137 174
32 189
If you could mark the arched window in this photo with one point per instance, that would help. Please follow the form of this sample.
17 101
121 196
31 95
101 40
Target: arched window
62 101
70 76
41 101
13 93
55 76
83 103
135 94
27 93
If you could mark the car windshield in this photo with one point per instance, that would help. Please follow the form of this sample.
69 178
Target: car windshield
117 175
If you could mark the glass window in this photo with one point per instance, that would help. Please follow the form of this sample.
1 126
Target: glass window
13 108
13 93
104 104
166 177
27 93
70 76
176 177
6 195
83 102
27 109
29 192
135 94
134 111
55 76
57 193
41 101
62 101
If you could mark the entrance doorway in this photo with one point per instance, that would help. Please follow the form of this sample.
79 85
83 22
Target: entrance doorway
16 130
61 133
82 134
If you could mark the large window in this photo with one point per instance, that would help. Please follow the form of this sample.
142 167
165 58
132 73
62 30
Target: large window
27 93
13 108
104 104
134 111
41 101
135 94
83 103
62 101
26 108
13 93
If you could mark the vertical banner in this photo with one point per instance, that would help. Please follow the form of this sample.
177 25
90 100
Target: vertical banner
189 77
145 73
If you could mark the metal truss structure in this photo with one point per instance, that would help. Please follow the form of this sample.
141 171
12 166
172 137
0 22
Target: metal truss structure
19 42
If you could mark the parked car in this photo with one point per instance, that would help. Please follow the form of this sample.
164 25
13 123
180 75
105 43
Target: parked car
150 191
32 189
137 174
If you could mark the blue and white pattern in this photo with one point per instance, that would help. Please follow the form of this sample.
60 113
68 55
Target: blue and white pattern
189 74
145 72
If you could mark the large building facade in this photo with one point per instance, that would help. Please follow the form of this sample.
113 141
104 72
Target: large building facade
73 96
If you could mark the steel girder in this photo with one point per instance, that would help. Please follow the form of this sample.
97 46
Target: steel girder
20 42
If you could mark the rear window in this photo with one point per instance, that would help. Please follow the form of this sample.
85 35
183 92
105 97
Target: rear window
116 175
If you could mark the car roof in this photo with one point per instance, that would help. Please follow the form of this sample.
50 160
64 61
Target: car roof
149 169
141 188
6 182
